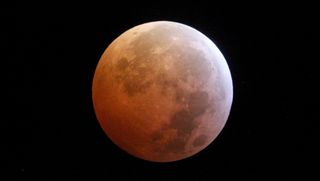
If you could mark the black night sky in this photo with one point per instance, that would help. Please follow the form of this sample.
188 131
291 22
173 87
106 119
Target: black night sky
48 128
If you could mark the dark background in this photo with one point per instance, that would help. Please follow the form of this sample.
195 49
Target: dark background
48 127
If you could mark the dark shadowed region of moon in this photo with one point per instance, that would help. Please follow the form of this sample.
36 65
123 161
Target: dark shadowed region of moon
162 91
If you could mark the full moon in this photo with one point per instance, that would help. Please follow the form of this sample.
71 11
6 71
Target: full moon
162 91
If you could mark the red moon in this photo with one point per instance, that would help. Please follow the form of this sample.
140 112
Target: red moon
162 91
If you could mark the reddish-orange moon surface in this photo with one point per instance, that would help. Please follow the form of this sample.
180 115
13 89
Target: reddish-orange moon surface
162 91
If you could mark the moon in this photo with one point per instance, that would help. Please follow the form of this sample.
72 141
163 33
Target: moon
162 91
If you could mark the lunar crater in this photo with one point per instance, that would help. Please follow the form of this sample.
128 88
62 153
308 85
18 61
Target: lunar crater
200 140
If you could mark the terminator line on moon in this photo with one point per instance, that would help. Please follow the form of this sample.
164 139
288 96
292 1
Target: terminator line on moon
162 91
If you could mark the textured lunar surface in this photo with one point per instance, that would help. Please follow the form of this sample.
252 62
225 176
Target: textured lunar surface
162 91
